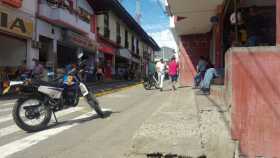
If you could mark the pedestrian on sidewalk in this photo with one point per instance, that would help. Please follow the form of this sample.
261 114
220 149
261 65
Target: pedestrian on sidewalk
210 74
160 66
201 69
172 72
99 73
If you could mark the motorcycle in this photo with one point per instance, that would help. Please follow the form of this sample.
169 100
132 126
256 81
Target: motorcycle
33 112
151 82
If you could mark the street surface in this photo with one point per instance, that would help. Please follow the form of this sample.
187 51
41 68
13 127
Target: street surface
78 135
140 122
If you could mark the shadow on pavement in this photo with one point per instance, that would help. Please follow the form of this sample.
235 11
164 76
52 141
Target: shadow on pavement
79 121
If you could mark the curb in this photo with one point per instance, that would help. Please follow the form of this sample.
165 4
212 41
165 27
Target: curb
99 94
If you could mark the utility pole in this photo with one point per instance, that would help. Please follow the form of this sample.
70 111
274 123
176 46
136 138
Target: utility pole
138 11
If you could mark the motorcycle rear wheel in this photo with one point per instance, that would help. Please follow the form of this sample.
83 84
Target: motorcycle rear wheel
25 124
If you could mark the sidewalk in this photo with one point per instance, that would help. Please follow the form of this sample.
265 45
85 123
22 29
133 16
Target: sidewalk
96 87
186 125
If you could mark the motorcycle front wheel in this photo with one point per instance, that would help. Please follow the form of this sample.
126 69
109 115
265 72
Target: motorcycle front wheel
92 101
147 85
31 115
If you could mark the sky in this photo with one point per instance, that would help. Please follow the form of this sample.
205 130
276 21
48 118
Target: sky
154 20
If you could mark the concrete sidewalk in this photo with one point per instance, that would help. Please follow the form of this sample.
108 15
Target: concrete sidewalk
186 125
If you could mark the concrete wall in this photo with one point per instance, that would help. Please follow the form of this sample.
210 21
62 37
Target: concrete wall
192 47
29 6
252 86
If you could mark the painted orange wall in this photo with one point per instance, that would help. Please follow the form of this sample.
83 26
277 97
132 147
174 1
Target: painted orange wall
252 85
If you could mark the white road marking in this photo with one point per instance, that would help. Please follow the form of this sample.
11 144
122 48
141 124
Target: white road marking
14 128
6 118
6 109
8 104
22 144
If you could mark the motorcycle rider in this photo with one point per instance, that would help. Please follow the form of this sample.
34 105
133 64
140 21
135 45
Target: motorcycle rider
69 85
38 69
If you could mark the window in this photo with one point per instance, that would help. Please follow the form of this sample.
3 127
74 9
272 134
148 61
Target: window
106 26
132 44
126 39
118 30
137 47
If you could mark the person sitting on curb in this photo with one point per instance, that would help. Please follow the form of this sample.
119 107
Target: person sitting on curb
200 68
210 74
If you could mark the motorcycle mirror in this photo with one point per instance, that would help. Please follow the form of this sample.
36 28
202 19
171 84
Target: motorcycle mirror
80 55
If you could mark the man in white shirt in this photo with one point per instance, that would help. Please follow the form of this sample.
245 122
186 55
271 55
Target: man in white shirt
160 66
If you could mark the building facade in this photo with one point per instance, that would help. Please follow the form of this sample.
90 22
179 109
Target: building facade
54 31
241 38
17 34
65 28
124 43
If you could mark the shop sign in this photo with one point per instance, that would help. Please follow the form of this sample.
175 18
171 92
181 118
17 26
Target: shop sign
106 48
80 40
13 3
124 53
15 24
69 5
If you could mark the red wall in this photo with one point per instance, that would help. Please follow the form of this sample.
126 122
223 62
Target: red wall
252 85
192 47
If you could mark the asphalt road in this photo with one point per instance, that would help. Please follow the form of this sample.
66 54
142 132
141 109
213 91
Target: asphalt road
81 134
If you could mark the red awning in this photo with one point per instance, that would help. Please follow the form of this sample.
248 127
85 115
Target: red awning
107 48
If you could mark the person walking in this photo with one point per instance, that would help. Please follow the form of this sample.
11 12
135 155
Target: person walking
160 66
172 72
38 69
99 73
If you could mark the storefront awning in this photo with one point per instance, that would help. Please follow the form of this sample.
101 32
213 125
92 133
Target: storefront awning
194 15
124 53
135 60
79 40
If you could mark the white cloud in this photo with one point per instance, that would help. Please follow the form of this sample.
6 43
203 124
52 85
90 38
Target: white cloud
164 38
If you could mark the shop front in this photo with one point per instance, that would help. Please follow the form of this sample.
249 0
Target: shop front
136 66
73 43
16 30
107 62
122 63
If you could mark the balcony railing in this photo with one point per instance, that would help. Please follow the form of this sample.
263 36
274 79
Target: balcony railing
63 17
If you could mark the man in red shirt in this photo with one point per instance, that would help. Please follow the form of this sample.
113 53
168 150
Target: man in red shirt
173 71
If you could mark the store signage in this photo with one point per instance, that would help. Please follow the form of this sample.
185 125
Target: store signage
124 53
15 24
80 40
13 3
69 5
106 48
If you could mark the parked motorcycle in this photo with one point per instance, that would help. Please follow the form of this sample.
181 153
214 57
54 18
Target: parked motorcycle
151 82
33 112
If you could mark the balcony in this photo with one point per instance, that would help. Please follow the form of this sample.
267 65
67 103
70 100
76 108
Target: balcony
106 33
62 17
